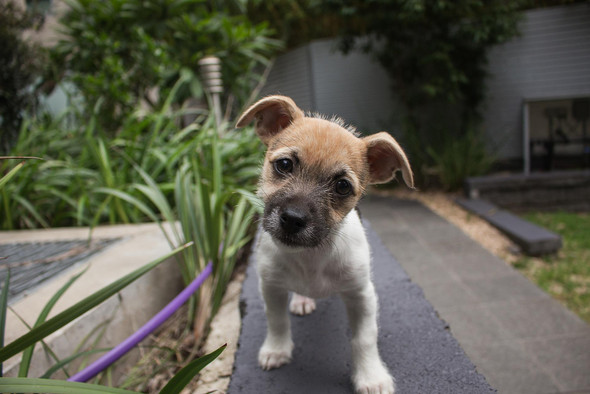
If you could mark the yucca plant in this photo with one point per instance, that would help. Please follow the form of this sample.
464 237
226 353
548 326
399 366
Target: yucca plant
212 204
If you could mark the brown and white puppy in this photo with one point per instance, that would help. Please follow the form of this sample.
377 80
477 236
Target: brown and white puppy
313 243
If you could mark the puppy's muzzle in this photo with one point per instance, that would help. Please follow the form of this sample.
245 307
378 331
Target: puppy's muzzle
293 220
296 220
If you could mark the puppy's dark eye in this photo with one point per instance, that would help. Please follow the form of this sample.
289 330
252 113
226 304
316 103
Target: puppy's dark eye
343 187
284 166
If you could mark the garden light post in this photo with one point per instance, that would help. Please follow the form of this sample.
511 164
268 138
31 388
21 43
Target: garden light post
211 72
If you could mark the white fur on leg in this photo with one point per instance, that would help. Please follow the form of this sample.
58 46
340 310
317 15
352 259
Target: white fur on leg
369 373
273 354
301 305
373 379
278 346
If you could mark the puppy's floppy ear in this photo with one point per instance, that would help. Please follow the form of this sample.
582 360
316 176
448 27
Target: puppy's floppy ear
273 114
385 157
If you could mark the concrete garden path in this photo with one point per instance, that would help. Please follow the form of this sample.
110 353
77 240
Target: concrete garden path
458 315
518 337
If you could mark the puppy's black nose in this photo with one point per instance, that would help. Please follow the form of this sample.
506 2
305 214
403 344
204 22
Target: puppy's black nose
293 220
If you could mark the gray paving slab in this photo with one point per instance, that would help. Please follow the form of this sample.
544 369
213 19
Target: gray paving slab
414 343
534 240
519 338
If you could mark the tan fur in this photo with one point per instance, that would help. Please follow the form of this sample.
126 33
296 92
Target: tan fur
372 159
272 114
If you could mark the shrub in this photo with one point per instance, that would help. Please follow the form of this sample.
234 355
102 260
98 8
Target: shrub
20 65
80 161
458 158
125 52
444 158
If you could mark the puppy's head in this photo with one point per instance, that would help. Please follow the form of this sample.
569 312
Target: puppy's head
316 170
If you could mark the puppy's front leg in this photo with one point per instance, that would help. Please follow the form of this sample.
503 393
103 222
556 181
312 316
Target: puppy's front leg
369 373
277 347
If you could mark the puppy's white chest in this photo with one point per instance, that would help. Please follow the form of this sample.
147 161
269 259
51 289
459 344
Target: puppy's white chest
318 272
315 278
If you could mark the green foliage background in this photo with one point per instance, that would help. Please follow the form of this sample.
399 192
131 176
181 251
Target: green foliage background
20 64
119 53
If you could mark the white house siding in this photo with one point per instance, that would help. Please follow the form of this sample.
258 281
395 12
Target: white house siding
549 60
321 79
291 76
353 87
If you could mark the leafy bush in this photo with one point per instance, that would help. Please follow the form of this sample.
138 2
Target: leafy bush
81 162
212 210
125 52
458 158
153 170
444 158
20 65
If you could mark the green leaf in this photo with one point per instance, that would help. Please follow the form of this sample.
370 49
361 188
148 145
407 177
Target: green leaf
34 385
186 374
78 309
28 353
130 199
10 174
48 351
29 207
3 308
67 360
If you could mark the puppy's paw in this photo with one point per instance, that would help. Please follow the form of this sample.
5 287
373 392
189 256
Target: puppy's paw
301 305
378 381
270 357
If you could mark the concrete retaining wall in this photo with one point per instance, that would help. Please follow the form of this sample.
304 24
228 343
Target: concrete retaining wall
119 316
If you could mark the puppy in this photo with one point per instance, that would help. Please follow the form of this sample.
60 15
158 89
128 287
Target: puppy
313 243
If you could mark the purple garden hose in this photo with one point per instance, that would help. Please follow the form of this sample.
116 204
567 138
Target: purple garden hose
99 365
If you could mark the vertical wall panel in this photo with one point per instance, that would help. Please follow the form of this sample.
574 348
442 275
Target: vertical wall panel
353 87
321 79
291 76
550 59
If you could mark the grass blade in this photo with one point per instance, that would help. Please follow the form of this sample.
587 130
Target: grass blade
33 385
48 351
10 174
67 360
130 199
3 308
28 353
78 309
29 207
186 374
